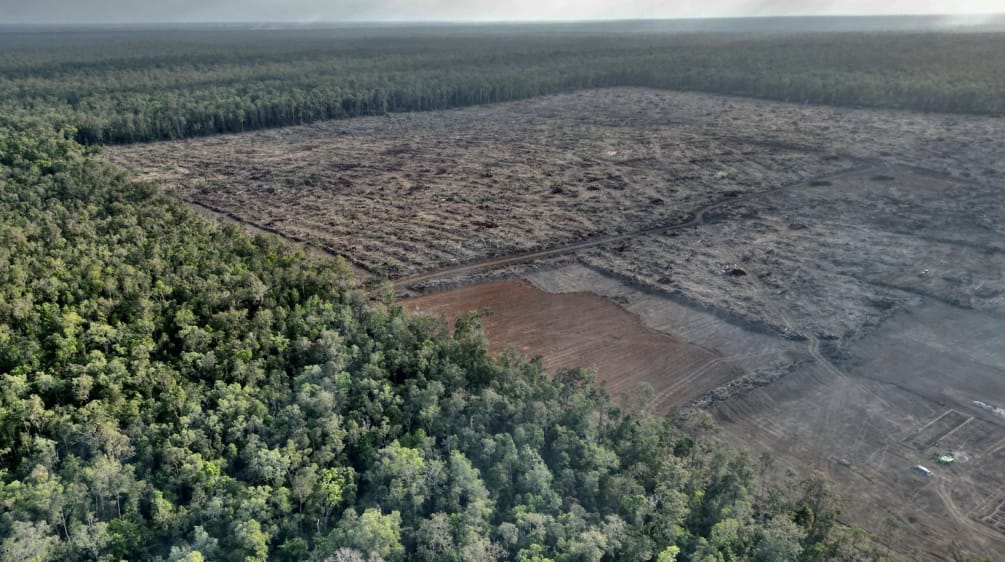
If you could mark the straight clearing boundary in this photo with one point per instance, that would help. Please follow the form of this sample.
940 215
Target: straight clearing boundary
939 428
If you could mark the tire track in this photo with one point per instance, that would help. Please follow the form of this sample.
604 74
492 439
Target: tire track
961 518
673 388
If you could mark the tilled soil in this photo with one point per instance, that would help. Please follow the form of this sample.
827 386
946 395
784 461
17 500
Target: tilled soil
586 330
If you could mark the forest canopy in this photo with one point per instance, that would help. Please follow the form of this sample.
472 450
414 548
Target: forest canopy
126 86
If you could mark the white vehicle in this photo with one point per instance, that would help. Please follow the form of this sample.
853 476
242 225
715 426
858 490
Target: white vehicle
922 470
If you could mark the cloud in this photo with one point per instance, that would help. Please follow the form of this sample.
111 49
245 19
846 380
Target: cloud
163 11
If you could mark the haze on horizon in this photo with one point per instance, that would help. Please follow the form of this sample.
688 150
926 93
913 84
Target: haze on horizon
14 12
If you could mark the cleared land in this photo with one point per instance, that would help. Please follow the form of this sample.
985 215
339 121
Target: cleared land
903 396
902 399
842 271
413 192
408 193
586 330
832 259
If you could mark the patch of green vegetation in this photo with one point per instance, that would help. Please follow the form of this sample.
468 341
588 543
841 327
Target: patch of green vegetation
119 87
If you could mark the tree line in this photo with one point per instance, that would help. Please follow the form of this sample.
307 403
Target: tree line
121 87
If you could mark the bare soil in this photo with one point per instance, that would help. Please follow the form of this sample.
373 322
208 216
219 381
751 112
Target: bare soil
904 398
904 395
832 261
585 330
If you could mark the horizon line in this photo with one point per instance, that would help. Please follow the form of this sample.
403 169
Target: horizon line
500 21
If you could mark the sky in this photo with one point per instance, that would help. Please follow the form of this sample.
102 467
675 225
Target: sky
309 11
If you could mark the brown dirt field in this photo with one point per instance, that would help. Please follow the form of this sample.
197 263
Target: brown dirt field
586 330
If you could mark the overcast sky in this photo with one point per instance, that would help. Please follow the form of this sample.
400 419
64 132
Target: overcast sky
168 11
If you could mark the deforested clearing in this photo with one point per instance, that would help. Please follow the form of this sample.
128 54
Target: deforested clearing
585 330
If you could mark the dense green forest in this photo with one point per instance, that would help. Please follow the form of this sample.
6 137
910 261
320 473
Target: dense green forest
173 389
126 86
